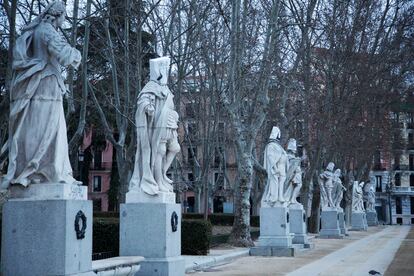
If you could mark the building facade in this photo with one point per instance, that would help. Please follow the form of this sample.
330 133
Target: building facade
393 174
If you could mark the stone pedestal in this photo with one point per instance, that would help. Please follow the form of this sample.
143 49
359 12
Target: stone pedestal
342 226
152 230
275 237
358 221
372 218
330 225
297 221
47 237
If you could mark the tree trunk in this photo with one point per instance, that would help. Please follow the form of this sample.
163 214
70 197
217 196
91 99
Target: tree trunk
314 220
240 235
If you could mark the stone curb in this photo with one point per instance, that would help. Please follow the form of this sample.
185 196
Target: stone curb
213 260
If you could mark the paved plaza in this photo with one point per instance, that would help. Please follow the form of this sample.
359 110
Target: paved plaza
357 254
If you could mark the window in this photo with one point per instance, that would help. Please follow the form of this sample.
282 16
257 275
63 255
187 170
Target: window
412 220
97 204
191 154
412 180
217 156
410 138
397 179
219 180
97 159
378 183
190 177
377 161
398 208
397 162
399 220
411 162
97 181
192 130
412 205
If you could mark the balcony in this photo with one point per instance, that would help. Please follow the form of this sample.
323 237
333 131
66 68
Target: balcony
403 190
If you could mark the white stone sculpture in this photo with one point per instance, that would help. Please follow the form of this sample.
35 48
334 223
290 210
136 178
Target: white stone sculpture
293 181
38 146
326 186
275 163
371 199
358 197
157 123
338 191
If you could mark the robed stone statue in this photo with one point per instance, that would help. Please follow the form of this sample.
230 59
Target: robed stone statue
157 140
38 146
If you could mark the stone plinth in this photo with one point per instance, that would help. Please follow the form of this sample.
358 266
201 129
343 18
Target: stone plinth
330 225
275 237
358 221
297 221
141 197
49 191
372 218
152 230
39 237
342 226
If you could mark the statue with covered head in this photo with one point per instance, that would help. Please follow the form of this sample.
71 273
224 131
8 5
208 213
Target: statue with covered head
157 140
275 163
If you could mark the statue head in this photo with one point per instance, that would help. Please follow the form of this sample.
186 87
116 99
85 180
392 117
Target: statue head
292 145
275 134
337 172
330 166
361 184
159 68
54 13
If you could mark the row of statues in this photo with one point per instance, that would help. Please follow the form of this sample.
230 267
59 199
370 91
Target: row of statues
284 174
331 187
38 146
331 191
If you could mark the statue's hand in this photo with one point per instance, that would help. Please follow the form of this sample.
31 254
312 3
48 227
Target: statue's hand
150 110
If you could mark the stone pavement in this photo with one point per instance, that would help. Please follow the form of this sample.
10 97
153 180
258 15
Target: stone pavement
356 254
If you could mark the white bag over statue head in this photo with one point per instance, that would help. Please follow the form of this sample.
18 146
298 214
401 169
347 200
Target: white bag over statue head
159 68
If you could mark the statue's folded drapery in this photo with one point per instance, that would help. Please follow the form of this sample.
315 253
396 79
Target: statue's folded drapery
38 147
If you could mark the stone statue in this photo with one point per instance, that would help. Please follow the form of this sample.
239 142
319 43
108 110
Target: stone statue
275 163
38 146
326 186
338 190
358 197
371 199
293 182
157 123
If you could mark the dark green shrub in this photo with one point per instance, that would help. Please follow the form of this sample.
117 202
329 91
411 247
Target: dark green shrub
106 214
106 236
195 237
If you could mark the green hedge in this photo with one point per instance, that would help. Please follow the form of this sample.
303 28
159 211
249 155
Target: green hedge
195 237
222 219
105 235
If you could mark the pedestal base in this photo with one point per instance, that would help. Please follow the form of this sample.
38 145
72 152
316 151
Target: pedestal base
372 218
358 222
330 225
297 225
152 230
275 237
39 237
342 227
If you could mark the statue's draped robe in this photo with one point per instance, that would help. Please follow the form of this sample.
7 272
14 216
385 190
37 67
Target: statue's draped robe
38 147
150 131
272 155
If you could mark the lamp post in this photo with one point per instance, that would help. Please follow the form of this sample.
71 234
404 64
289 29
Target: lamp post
388 190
